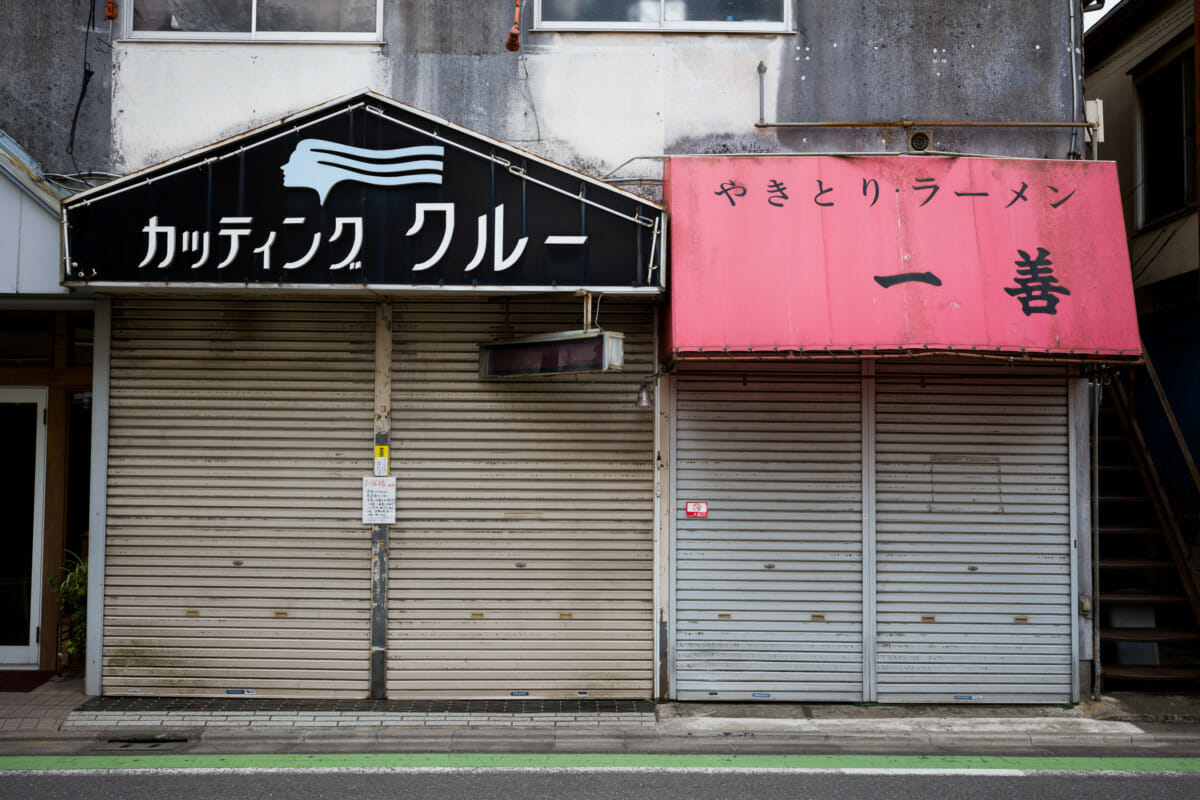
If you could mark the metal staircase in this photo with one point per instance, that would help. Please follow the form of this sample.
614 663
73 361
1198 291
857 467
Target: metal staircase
1149 597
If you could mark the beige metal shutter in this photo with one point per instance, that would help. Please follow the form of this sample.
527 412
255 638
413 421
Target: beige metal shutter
236 560
521 561
768 588
972 534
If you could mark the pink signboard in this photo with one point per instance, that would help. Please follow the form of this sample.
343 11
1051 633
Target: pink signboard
815 254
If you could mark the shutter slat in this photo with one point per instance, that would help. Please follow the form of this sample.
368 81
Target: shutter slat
552 472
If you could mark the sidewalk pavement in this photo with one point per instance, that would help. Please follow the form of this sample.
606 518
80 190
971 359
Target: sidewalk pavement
58 712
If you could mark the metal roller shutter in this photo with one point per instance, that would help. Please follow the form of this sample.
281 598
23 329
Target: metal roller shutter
236 559
522 557
769 586
972 534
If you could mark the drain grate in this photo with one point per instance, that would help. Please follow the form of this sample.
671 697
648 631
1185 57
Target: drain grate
140 745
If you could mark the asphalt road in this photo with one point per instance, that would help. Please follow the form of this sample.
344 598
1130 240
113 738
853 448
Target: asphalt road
602 785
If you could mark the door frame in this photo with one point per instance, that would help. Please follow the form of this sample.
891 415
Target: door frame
28 655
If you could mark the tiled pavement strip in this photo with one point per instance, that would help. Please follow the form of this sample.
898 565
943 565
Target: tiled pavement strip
42 710
61 705
59 708
254 713
274 719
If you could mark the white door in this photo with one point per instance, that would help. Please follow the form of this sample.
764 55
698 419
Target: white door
22 495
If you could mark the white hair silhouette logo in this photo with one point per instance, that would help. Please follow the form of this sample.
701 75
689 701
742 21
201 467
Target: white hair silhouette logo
320 165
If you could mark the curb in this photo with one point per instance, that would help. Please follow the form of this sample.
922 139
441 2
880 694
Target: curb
657 736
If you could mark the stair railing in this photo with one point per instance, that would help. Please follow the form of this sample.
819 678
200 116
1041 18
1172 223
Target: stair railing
1175 501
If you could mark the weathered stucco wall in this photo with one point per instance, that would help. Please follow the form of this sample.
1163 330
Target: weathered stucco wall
892 60
41 72
594 100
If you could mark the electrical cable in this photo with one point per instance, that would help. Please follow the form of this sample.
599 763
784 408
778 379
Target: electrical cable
1162 247
87 77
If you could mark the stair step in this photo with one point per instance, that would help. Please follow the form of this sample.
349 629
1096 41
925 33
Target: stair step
1140 597
1115 562
1149 672
1147 635
1140 530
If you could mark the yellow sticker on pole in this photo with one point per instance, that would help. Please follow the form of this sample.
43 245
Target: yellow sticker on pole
381 460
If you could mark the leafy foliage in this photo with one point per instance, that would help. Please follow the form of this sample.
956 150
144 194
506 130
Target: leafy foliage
71 589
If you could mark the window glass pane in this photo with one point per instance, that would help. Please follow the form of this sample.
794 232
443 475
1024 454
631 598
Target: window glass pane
724 10
317 16
1189 123
17 494
600 10
81 337
1164 141
26 338
223 16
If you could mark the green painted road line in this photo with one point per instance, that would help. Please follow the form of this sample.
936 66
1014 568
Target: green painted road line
367 761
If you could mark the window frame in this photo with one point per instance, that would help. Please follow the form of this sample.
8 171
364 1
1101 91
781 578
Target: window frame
1167 57
541 24
235 37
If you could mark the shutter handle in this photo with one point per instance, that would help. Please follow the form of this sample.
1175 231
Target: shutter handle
769 566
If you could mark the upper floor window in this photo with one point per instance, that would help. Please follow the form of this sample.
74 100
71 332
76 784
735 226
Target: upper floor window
1167 136
225 20
751 16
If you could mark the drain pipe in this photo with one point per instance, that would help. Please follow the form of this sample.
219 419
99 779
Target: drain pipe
762 94
512 42
1097 396
1076 75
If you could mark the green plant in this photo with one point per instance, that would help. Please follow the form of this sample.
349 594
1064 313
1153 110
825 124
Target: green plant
71 589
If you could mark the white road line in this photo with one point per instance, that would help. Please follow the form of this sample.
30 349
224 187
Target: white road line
983 772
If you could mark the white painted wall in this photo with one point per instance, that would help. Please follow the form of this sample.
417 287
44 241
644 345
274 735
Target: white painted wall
169 99
606 98
29 243
589 101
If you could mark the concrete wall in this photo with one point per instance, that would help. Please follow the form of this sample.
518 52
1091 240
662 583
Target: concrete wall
594 100
41 63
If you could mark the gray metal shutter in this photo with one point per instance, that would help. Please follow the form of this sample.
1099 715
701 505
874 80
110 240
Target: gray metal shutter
236 560
522 559
972 534
768 592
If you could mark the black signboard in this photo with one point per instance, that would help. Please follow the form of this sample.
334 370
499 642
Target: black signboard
363 193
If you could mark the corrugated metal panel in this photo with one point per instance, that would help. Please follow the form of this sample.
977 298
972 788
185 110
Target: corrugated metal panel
236 559
768 600
521 560
972 535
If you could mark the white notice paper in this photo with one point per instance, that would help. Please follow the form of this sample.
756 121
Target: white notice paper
379 501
